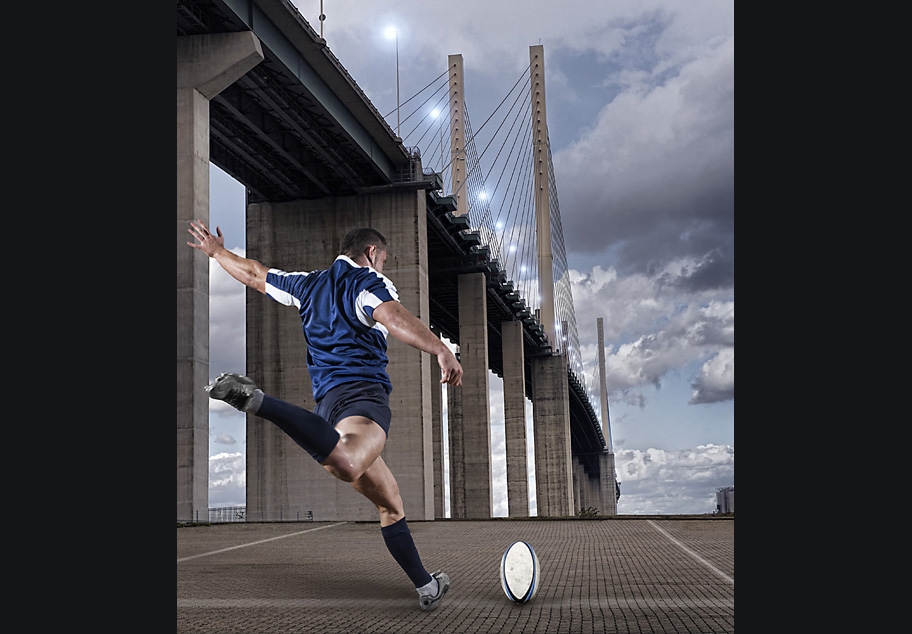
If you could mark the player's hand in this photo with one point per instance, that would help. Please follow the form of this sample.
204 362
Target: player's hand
208 243
450 368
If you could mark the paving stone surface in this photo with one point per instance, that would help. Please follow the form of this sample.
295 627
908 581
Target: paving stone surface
623 574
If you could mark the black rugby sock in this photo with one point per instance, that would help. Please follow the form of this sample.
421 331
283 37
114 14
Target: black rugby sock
310 431
399 541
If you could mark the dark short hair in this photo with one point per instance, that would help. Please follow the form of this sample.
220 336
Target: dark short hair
357 241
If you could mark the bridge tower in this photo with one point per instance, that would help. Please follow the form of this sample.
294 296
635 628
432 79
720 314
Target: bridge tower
469 411
606 460
551 412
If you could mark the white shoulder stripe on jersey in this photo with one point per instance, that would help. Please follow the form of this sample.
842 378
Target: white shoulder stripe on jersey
366 298
281 296
278 294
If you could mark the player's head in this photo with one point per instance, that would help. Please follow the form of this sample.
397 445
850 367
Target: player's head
366 242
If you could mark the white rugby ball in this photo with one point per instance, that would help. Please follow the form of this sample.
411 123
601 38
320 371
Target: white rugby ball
519 572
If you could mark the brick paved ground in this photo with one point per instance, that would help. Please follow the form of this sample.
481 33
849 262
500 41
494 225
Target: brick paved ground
623 574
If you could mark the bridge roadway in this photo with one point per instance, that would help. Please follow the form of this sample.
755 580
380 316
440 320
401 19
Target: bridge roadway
297 126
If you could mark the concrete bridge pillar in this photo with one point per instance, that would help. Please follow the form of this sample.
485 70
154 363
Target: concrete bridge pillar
514 388
437 436
607 484
585 489
551 424
206 65
456 436
595 496
476 473
283 481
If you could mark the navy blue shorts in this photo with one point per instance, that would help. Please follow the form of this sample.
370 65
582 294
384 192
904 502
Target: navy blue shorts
359 398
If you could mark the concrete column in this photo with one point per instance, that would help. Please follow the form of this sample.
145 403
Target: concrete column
594 492
476 410
206 65
304 236
456 435
607 484
437 430
551 424
514 387
577 482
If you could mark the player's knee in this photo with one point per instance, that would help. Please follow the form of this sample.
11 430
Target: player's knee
344 470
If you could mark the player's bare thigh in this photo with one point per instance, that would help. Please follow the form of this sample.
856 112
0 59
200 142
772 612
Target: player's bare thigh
361 441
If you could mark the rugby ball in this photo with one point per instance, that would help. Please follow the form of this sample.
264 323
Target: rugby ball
519 572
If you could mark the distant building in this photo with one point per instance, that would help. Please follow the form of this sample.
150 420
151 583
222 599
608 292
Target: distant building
725 500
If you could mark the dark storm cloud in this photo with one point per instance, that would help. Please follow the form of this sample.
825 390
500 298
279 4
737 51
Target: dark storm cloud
653 180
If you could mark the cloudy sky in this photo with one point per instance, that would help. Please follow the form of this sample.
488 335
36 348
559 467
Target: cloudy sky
640 107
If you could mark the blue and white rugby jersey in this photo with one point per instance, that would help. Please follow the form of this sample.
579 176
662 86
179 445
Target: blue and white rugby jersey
336 305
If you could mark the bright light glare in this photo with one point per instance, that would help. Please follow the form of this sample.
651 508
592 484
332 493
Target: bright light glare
482 196
435 113
390 32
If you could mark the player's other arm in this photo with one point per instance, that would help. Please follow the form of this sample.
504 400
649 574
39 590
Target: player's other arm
248 272
407 328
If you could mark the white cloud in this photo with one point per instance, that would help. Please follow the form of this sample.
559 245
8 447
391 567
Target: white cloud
227 479
222 438
673 482
227 329
651 331
717 378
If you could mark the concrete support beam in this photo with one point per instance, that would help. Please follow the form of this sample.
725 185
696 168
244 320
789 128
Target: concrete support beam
575 469
514 387
456 436
206 65
551 425
283 480
476 410
437 437
595 495
607 484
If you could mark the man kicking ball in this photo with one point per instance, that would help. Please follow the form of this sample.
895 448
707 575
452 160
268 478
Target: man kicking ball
346 312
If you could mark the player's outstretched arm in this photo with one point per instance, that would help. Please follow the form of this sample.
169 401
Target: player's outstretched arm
248 272
407 328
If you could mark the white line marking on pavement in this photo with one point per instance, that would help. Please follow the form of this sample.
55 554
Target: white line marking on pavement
262 541
693 554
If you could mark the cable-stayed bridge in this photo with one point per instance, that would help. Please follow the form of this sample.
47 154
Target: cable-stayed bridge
288 121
